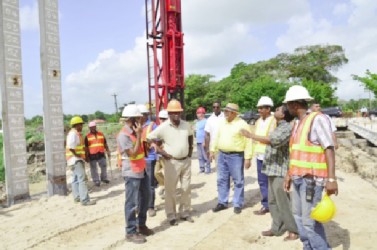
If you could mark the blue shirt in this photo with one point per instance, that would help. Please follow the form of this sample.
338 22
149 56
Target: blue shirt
200 133
151 154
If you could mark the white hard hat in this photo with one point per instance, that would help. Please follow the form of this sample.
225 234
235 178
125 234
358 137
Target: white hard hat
265 101
163 114
297 92
142 108
131 111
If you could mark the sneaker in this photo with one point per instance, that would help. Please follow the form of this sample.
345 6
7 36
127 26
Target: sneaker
144 230
136 238
237 210
106 181
88 203
219 207
151 212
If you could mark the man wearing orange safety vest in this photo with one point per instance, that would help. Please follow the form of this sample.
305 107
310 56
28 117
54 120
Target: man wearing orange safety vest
150 158
95 145
311 166
75 155
136 180
263 127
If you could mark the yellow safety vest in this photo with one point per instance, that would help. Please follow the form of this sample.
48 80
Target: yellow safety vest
259 147
80 149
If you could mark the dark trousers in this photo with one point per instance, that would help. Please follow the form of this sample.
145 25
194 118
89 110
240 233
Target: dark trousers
152 182
263 184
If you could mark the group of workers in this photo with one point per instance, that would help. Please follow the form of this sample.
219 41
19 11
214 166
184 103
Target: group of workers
294 151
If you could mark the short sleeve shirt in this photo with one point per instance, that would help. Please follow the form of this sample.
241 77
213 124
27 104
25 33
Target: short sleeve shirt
212 126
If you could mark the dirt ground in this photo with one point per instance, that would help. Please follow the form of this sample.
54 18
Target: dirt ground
58 223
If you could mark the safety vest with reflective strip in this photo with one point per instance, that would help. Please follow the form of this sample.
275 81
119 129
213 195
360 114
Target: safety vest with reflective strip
137 162
80 149
259 147
146 131
96 143
306 158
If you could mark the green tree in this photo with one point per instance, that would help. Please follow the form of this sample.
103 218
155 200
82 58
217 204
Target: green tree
369 81
321 92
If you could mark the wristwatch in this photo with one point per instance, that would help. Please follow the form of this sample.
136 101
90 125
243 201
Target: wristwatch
331 179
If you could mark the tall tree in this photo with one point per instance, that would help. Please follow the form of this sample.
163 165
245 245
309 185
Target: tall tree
369 81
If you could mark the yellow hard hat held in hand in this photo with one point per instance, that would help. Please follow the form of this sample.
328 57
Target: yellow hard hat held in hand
324 211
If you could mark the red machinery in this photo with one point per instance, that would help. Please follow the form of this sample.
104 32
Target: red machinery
164 52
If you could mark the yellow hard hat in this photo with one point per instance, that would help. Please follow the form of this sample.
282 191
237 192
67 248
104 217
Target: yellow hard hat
76 120
174 106
324 211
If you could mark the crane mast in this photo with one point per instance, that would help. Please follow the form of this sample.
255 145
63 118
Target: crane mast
164 52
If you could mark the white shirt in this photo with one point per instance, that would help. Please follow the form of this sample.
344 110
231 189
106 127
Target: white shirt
212 126
73 140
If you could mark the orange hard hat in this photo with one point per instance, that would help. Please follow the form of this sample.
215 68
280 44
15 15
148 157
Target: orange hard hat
200 110
174 106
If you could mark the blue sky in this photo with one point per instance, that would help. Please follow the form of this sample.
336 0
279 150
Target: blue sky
103 44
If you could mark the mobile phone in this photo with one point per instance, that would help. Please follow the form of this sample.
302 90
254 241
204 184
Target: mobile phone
309 194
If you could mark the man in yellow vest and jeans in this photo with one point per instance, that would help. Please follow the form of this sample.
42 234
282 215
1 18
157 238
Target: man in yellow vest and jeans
263 127
136 180
311 166
75 155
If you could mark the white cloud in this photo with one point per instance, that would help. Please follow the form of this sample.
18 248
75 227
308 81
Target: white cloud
29 17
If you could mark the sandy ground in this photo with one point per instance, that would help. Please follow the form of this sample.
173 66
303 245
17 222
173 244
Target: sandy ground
58 223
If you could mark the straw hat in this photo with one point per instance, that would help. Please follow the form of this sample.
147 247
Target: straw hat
232 107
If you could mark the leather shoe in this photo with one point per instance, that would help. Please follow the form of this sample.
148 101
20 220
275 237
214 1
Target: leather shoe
219 207
144 230
237 210
268 233
262 211
188 219
173 222
291 236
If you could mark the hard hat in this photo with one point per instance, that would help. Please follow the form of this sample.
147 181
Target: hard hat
142 108
131 111
163 114
174 106
265 101
200 110
297 92
92 124
324 211
76 120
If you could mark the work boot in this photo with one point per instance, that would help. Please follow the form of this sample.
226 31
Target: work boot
136 238
144 230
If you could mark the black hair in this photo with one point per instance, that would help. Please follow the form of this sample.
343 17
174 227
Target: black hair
315 102
287 116
217 101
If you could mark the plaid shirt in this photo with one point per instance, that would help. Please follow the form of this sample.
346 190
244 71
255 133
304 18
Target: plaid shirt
276 160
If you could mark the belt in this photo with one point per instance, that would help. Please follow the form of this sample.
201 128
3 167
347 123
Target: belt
180 159
232 152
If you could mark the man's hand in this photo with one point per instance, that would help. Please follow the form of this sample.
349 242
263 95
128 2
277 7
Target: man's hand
245 133
138 128
166 155
211 156
287 183
331 188
247 164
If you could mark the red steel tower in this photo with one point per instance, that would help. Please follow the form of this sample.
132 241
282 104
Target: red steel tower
164 52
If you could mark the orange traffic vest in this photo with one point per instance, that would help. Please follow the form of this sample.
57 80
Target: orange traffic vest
80 149
137 162
306 158
96 144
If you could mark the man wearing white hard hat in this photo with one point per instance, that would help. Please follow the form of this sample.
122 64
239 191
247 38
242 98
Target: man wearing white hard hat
95 147
311 166
263 127
136 180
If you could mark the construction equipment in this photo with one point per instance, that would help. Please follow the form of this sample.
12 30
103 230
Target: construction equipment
164 52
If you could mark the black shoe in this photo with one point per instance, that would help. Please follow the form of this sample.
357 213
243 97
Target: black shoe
262 211
173 222
237 210
106 181
144 230
219 207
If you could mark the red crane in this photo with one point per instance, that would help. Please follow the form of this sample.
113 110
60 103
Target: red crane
164 52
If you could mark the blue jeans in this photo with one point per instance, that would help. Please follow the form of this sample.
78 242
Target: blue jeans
312 233
137 196
152 182
79 188
230 165
263 184
204 163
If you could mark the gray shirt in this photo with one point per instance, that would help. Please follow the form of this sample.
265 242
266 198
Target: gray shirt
125 143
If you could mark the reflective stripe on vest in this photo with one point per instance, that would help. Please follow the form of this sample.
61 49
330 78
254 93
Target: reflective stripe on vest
260 147
306 157
137 162
79 149
96 144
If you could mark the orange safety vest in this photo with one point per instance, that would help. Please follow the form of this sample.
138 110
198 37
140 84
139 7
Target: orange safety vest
306 158
80 149
138 162
146 131
96 143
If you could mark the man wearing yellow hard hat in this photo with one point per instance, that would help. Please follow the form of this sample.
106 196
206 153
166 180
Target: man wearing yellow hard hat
311 166
75 156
